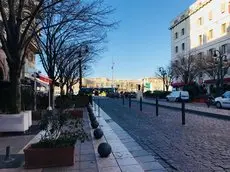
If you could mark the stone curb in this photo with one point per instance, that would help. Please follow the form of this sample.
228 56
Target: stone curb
202 113
130 156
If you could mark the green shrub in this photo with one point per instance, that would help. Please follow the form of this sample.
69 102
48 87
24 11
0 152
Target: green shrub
154 94
70 101
61 130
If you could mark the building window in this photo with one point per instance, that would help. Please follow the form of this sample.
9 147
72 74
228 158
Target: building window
210 52
222 7
200 39
224 49
200 55
182 31
176 49
200 21
210 34
176 35
210 15
183 46
223 28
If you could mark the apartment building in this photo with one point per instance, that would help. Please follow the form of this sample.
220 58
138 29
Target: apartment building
202 28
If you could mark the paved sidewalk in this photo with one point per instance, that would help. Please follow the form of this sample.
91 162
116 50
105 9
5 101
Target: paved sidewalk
221 113
130 156
126 156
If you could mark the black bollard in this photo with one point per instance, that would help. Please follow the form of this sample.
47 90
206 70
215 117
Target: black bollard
123 100
95 105
140 103
129 102
7 158
183 111
91 100
157 106
99 108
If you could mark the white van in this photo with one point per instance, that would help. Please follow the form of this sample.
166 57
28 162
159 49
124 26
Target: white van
177 96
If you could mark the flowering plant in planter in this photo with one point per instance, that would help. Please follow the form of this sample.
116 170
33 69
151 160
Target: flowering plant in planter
56 147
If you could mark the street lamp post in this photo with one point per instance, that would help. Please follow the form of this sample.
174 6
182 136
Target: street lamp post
220 59
80 64
35 75
80 74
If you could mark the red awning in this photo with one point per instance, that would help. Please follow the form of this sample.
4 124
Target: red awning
212 81
178 84
45 79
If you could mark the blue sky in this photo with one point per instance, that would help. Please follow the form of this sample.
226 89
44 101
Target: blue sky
141 43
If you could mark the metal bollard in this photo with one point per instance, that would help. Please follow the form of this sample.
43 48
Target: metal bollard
123 100
91 100
7 158
95 105
98 108
183 112
157 112
129 102
140 103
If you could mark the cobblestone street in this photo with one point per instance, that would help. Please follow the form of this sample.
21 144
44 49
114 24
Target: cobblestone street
203 144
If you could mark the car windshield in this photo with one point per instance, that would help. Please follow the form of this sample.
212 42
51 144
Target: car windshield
226 95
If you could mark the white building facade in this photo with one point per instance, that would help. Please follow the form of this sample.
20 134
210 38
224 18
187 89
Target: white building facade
202 28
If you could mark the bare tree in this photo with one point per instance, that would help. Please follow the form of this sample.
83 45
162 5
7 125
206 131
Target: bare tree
169 77
162 73
185 66
165 73
86 25
20 21
211 67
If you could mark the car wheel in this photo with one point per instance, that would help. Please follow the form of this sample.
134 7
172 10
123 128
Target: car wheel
218 105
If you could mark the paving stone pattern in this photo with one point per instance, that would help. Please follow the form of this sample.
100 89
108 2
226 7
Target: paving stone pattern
203 144
129 155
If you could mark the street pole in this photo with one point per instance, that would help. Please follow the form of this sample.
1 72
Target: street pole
157 106
141 104
80 75
129 101
35 92
123 99
183 112
221 74
49 107
98 107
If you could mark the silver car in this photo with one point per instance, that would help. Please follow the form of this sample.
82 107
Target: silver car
223 101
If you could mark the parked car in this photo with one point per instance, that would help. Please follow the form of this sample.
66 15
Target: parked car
177 96
133 95
113 95
223 101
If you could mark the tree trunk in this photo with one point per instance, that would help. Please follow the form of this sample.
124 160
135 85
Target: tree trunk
67 89
52 95
62 90
15 92
167 88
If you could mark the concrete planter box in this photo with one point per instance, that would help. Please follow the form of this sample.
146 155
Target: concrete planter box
48 157
29 113
15 122
76 113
